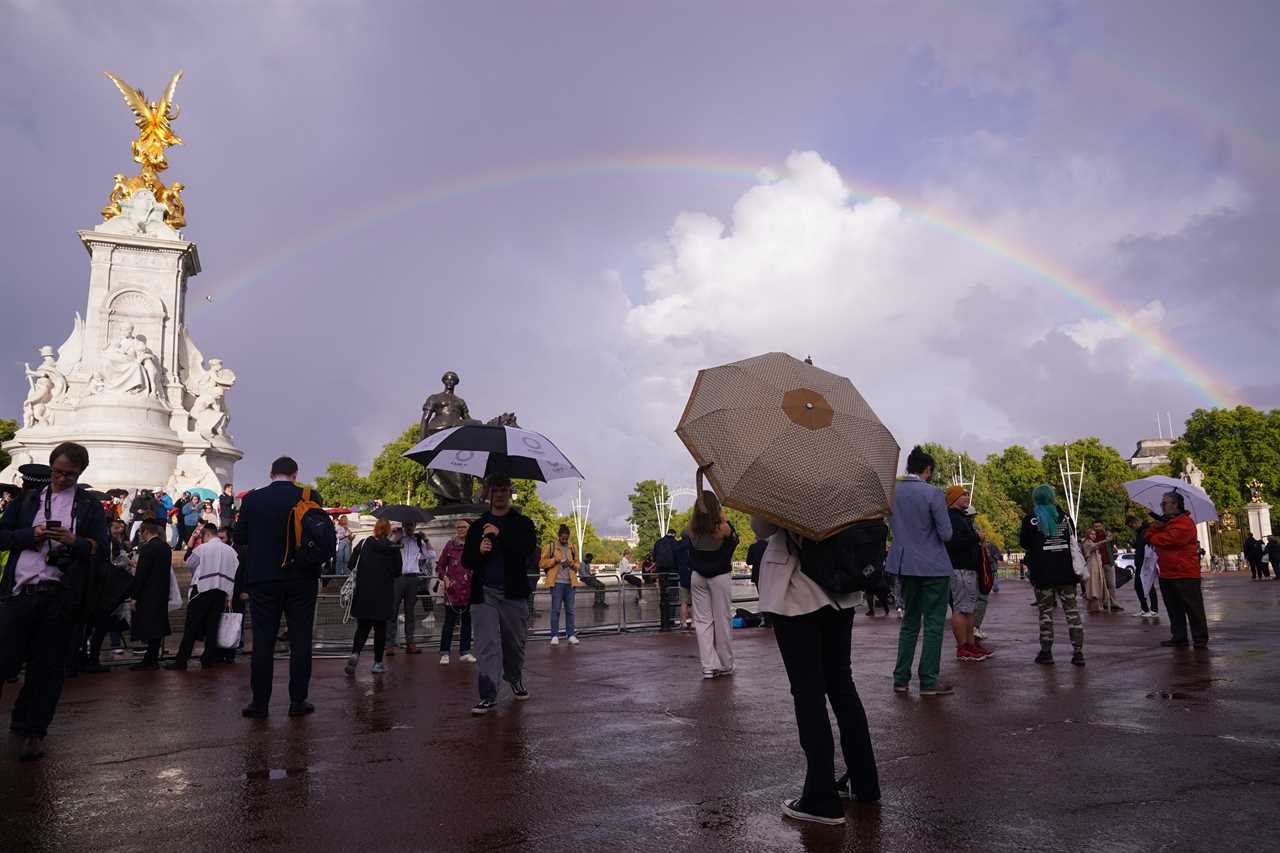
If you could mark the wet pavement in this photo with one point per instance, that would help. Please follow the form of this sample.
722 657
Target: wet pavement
624 747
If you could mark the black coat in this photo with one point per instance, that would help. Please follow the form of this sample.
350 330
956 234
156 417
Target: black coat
151 591
1273 554
377 564
92 548
964 548
261 528
1049 558
519 547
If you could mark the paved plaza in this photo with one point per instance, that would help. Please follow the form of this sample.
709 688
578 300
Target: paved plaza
625 748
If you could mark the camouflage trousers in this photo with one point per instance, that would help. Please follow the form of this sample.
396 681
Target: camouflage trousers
1046 601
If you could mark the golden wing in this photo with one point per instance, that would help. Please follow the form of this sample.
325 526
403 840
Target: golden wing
134 98
167 101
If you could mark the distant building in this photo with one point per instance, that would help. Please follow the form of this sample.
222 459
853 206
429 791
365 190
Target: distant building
1151 452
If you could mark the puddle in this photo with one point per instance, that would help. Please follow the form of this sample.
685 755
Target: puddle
275 773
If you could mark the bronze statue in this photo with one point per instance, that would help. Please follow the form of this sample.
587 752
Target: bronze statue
443 411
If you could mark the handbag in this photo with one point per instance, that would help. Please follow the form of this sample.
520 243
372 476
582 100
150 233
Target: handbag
229 625
986 573
175 595
1077 557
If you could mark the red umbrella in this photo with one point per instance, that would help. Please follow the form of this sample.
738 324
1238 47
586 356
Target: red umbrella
242 494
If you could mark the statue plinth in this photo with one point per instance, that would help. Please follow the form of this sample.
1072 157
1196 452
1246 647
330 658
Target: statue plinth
1259 519
129 383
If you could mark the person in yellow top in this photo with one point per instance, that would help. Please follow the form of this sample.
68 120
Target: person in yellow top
559 562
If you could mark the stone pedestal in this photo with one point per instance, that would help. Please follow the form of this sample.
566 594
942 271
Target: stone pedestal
129 383
1259 519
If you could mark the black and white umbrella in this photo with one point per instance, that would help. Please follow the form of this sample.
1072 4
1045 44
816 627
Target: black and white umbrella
483 450
403 513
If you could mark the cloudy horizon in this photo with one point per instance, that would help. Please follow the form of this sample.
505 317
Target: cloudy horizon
1006 223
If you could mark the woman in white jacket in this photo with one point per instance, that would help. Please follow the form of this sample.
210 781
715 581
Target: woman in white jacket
813 630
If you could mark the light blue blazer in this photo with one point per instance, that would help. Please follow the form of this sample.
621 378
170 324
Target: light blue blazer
921 527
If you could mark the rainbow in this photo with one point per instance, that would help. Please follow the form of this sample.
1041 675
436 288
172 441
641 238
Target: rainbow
1090 297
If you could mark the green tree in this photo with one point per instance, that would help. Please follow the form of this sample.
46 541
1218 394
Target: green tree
342 485
948 462
645 515
1103 497
1232 447
544 516
7 430
395 479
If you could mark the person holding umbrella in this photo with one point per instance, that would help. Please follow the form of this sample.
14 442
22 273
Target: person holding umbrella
713 541
500 546
1177 547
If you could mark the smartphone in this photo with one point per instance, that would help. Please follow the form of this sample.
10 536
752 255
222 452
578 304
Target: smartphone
52 524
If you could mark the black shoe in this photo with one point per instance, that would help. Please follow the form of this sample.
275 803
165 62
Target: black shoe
1078 658
1203 645
1045 656
176 665
1169 643
94 668
483 707
301 709
795 811
253 712
145 666
522 692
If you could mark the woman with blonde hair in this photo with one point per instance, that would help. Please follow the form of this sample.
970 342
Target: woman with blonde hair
712 542
376 563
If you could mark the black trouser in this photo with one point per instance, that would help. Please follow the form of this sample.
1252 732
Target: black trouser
152 654
1142 594
379 627
1254 568
815 651
295 599
451 618
598 585
1183 603
668 598
35 630
203 615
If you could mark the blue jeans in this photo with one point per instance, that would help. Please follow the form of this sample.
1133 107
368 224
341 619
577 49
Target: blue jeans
562 594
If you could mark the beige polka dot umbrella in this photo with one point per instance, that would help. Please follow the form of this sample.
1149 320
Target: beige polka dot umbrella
791 443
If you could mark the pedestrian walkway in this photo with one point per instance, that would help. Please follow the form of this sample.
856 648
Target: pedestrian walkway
625 747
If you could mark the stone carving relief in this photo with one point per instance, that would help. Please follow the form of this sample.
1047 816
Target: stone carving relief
140 216
129 366
210 407
46 383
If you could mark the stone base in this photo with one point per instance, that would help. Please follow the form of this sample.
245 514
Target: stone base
131 446
1259 519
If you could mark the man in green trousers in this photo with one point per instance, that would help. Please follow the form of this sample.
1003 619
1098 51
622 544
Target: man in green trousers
921 529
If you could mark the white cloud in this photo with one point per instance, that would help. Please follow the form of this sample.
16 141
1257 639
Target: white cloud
1091 332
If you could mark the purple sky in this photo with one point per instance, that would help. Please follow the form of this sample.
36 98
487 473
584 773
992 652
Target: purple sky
837 179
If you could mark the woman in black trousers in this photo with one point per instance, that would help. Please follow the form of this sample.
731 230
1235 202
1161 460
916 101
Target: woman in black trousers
376 563
814 634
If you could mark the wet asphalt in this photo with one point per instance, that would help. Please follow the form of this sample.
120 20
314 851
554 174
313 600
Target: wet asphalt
624 747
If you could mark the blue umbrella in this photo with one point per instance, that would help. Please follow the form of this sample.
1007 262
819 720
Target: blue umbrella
203 493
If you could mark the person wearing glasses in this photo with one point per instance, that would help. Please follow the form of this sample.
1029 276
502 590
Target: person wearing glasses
53 534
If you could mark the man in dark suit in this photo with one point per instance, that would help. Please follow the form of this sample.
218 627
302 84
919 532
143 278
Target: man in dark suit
150 594
275 588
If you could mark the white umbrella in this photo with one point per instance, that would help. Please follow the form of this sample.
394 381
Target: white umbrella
1149 490
480 450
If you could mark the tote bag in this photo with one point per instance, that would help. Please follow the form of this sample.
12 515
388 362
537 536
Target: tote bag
229 625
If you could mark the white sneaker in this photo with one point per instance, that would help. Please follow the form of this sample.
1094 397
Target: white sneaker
555 641
444 660
469 658
978 635
573 641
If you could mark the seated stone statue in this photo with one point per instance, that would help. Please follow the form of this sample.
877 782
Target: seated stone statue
130 367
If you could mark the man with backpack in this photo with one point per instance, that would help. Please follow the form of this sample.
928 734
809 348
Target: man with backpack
921 528
280 535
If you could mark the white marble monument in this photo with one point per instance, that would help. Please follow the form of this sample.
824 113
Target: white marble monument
129 383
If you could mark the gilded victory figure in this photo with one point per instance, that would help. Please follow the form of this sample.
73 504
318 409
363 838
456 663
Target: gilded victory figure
155 134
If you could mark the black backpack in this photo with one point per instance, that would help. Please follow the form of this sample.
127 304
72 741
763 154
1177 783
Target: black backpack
311 539
850 561
664 553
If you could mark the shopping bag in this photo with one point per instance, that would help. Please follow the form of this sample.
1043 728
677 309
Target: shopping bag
229 630
1077 558
175 595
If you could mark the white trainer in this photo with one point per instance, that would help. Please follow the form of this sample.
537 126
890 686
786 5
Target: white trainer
444 660
573 641
555 641
469 658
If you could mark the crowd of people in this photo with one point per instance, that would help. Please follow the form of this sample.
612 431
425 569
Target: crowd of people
62 544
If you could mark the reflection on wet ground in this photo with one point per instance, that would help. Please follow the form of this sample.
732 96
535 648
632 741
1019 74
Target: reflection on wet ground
625 747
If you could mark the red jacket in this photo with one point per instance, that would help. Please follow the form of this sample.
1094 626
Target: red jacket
1177 547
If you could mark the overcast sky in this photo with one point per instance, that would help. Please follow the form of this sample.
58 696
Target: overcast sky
576 206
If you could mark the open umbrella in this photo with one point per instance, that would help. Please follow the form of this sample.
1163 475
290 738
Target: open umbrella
1149 490
482 450
791 443
202 493
403 513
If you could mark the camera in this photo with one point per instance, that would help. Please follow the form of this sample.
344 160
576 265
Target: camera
60 558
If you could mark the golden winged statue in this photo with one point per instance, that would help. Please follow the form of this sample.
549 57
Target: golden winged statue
155 134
